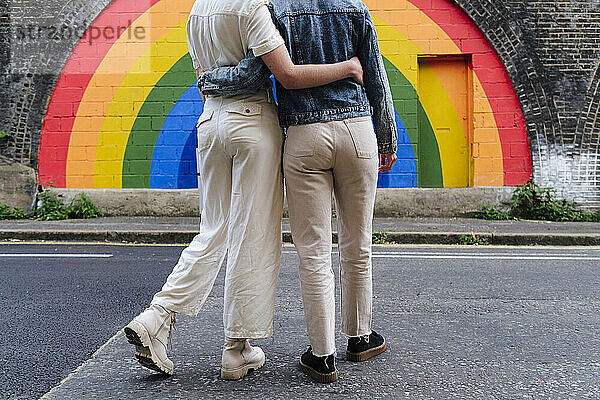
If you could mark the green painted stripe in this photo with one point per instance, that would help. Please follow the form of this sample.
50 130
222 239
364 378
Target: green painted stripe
430 164
150 119
420 132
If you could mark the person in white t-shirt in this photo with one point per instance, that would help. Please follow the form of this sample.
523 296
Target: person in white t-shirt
239 162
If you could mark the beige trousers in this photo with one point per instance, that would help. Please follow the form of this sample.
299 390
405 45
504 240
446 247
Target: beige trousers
239 160
321 158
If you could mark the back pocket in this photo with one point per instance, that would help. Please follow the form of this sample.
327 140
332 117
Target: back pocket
243 122
300 142
363 136
202 130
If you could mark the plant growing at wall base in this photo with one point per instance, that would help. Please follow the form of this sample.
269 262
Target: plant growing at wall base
532 202
51 209
529 201
7 213
82 207
492 214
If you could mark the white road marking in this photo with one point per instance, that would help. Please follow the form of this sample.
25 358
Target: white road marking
54 255
486 254
581 256
486 257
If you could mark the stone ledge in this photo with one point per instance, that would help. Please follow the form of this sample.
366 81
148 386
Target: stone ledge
389 202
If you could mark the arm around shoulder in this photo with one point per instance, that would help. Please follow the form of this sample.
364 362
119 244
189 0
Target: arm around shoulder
293 76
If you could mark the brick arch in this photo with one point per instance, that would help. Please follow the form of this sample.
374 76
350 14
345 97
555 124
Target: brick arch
564 150
26 91
498 24
588 124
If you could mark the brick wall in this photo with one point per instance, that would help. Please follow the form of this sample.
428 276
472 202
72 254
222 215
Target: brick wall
550 51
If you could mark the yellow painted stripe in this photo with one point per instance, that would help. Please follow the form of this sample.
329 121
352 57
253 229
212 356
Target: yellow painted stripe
128 100
442 114
404 32
398 49
104 84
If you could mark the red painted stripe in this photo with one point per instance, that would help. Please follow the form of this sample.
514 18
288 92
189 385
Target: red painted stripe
494 79
74 79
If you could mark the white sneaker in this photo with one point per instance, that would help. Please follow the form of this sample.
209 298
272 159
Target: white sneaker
239 358
151 332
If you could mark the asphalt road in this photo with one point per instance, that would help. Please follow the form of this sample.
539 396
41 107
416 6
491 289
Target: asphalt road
58 310
478 322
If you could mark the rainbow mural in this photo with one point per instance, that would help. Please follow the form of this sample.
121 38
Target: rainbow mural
124 109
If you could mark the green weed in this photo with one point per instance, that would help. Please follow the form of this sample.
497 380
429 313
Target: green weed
15 213
492 214
52 209
5 135
381 238
82 207
534 203
473 240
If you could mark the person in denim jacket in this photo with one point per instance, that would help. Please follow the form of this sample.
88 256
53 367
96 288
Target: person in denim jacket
334 133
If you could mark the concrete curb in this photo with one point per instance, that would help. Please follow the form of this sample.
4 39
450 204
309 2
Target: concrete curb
504 239
184 237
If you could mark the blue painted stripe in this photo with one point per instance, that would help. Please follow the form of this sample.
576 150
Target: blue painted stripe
404 172
174 157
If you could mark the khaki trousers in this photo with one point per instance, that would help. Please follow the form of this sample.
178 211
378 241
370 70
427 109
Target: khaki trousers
321 158
239 160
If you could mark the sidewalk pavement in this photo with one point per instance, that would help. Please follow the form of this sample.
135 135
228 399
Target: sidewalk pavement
394 230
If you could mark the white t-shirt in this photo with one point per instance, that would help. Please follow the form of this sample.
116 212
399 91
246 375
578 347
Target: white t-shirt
220 32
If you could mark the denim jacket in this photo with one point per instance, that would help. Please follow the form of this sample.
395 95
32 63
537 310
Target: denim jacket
320 32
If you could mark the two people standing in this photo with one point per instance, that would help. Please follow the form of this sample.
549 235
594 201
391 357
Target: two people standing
331 147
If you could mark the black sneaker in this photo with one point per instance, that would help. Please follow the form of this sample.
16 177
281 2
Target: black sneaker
364 347
321 369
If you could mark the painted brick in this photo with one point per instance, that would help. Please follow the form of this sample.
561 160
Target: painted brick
118 109
519 149
515 165
167 167
77 80
550 51
107 181
134 165
516 178
78 181
144 138
139 152
482 165
59 152
66 95
164 181
53 124
138 181
405 151
397 180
